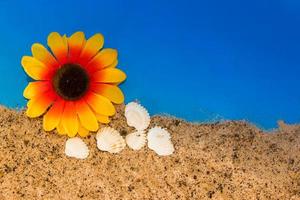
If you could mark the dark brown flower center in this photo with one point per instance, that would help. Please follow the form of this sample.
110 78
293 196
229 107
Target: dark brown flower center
71 81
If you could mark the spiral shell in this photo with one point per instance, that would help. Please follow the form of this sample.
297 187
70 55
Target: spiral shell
76 148
159 140
110 140
136 140
137 116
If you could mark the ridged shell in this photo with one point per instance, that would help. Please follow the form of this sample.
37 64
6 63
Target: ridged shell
136 140
137 116
110 140
76 148
159 140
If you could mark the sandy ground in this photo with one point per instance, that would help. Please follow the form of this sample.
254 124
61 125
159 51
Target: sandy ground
228 160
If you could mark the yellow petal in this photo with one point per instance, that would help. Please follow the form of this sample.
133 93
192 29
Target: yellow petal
114 64
102 118
35 68
86 116
65 40
60 129
103 59
58 46
29 103
76 43
100 104
83 132
38 105
53 116
111 92
69 119
36 88
42 54
91 47
109 75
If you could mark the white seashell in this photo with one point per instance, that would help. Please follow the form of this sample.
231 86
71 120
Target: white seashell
164 149
159 140
137 116
110 140
136 140
76 148
157 134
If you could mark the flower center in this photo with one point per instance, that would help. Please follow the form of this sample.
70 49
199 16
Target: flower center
71 81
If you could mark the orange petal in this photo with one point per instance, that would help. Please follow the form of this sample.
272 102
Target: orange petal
42 54
69 119
36 88
100 104
111 92
83 132
58 46
76 43
53 116
39 104
102 118
91 47
109 75
35 68
86 116
103 59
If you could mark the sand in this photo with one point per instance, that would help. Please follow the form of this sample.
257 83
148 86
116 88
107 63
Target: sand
226 160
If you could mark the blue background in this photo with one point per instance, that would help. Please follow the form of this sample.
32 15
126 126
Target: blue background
199 60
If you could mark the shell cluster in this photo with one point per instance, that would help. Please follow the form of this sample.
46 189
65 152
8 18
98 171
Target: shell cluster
159 139
110 140
138 117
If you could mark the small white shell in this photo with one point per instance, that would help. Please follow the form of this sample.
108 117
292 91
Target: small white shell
136 140
158 134
110 140
76 148
137 116
164 149
159 140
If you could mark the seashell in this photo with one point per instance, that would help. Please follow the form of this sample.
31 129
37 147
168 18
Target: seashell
110 140
159 140
164 149
157 134
75 147
137 116
136 140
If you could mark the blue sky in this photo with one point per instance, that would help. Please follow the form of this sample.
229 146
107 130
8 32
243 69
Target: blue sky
199 60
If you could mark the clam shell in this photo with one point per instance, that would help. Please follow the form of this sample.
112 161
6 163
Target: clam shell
136 140
137 116
110 140
159 140
164 149
76 148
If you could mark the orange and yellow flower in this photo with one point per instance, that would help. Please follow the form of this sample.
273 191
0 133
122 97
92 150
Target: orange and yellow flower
75 84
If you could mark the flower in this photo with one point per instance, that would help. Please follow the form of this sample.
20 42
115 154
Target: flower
75 85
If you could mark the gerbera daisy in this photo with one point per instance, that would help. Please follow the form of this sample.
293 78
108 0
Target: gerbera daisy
75 85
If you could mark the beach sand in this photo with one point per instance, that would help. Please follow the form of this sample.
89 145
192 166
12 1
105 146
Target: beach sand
226 160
